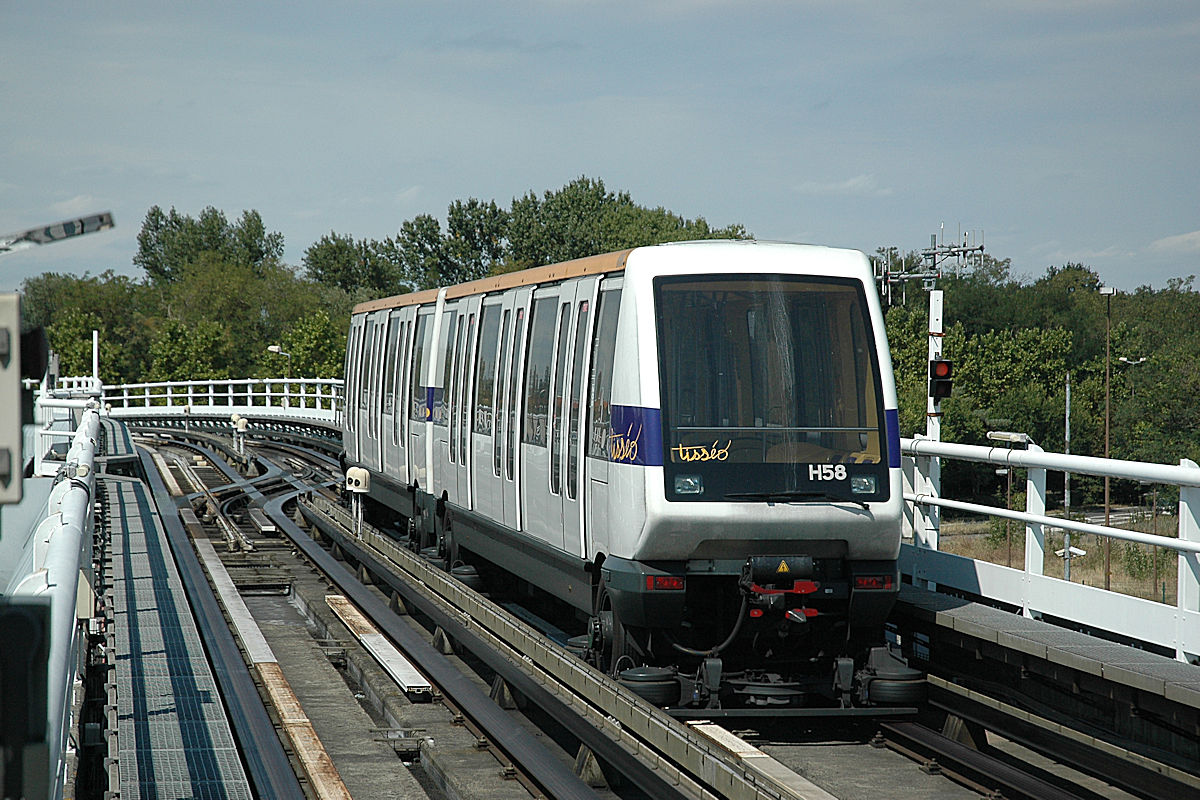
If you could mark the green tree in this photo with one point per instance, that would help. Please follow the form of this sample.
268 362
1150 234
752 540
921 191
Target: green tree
475 238
317 345
341 262
199 351
584 218
167 243
423 252
116 306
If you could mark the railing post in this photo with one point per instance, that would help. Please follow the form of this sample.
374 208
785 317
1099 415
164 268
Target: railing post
1188 592
1035 533
927 518
908 485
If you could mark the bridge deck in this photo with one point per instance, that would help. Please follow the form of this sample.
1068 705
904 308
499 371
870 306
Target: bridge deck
1138 669
173 736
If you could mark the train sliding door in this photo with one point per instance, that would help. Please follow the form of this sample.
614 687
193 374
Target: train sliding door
369 400
484 458
569 424
393 403
419 407
511 408
543 518
350 415
443 478
461 388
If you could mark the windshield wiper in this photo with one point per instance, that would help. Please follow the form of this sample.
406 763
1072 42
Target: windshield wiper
787 496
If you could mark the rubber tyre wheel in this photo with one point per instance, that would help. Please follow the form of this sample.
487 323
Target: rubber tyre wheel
450 544
617 645
897 693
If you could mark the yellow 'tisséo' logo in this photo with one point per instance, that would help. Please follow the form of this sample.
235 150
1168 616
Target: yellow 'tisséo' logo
623 447
701 452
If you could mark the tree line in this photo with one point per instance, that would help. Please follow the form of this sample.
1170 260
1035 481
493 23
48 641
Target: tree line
214 293
1014 341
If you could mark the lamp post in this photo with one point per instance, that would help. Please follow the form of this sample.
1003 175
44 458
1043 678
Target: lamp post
1107 293
274 348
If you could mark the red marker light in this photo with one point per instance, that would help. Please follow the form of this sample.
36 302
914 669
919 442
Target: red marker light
873 582
672 582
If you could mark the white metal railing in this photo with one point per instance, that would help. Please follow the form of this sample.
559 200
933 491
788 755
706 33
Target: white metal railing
319 398
1175 628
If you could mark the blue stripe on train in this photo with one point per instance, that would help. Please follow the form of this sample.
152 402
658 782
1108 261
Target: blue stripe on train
892 418
636 436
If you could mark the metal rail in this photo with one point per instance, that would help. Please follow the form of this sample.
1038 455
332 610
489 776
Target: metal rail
266 762
617 725
979 771
546 769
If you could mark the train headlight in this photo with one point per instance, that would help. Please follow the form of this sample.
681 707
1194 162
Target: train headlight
689 484
862 484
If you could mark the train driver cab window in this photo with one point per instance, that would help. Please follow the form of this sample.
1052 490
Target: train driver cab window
764 379
604 351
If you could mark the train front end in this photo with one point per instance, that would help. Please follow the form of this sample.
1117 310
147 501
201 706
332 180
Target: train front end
770 466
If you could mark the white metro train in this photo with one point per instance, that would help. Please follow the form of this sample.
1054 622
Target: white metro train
694 445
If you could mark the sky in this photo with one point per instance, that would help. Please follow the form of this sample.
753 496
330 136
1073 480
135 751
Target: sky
1055 131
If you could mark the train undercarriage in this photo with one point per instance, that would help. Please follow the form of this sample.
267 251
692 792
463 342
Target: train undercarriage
769 632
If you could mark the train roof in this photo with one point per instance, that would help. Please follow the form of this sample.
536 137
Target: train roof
592 265
608 262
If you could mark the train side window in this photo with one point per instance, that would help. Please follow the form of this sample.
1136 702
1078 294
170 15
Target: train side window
498 411
560 363
364 372
604 347
441 394
464 405
485 370
389 365
513 380
576 404
420 404
537 372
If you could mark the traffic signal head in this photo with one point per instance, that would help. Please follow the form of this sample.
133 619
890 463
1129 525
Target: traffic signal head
941 378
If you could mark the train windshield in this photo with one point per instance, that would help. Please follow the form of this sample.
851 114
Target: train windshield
770 389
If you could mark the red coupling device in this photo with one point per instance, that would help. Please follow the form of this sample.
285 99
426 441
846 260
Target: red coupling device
800 615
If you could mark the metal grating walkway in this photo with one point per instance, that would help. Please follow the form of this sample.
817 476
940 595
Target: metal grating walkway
174 740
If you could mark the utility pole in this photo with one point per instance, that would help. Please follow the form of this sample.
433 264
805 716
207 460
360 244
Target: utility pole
929 270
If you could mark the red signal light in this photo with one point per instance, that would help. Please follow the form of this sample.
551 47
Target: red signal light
941 378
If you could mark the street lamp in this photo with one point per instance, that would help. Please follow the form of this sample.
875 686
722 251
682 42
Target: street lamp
274 348
1107 293
1129 362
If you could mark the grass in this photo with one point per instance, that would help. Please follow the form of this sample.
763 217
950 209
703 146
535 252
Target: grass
1131 564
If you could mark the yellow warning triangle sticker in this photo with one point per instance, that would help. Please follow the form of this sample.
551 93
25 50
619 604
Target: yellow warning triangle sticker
783 567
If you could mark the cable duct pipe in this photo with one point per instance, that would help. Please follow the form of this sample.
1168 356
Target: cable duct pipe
64 546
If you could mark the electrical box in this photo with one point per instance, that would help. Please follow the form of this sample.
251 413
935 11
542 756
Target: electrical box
10 398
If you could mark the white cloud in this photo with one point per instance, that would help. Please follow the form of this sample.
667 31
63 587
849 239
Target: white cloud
79 205
1183 243
858 186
